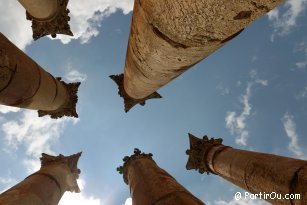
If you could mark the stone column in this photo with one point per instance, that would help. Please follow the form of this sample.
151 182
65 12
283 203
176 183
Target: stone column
23 83
47 186
258 173
48 17
149 184
168 37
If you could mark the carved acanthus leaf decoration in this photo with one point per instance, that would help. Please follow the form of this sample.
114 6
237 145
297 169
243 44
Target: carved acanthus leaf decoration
136 155
56 25
69 108
71 161
129 101
198 152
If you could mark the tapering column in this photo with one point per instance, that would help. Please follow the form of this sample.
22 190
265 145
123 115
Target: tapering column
23 83
255 172
168 37
49 17
149 184
57 175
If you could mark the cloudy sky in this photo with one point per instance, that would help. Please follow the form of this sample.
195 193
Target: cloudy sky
252 93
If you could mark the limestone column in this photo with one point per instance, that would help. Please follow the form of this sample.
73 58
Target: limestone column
24 84
149 184
49 17
57 175
258 173
170 36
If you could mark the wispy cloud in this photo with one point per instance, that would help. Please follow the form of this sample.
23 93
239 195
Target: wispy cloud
237 123
128 201
86 18
74 75
6 182
37 135
242 201
6 109
302 94
34 134
80 198
223 89
14 14
290 129
283 22
301 47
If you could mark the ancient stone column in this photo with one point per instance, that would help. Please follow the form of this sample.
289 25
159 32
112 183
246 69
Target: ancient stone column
258 173
24 84
170 36
57 175
149 184
48 17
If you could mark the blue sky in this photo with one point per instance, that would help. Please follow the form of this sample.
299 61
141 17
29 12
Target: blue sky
252 93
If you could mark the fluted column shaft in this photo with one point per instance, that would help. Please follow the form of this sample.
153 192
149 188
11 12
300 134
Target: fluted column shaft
168 37
46 186
149 184
23 83
252 171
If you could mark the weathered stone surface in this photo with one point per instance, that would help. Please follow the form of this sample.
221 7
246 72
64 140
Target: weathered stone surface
71 162
5 70
149 184
23 83
46 186
168 37
69 107
252 171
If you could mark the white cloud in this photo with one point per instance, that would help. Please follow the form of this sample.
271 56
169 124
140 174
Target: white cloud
223 90
128 201
13 23
302 47
6 109
303 93
283 22
34 134
7 181
242 201
74 75
70 198
301 64
254 58
37 135
86 18
290 129
235 122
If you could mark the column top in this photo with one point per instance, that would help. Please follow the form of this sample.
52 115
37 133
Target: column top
129 101
69 107
137 154
56 25
72 163
198 151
